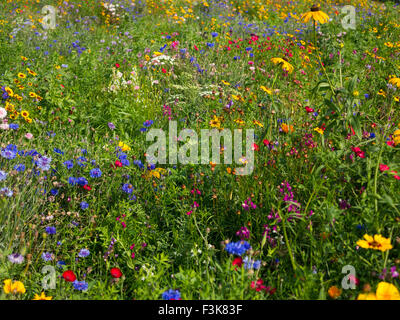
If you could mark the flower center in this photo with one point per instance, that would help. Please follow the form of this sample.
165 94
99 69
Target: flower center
315 8
374 244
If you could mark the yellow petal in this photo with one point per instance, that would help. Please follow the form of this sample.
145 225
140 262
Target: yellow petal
387 291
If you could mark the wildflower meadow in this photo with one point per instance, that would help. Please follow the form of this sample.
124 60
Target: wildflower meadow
199 150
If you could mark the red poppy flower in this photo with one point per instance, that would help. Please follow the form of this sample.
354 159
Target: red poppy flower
255 147
116 273
237 262
117 65
309 110
266 142
118 163
87 187
163 70
69 276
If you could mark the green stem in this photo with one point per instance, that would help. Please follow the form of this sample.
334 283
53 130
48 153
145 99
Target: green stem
287 240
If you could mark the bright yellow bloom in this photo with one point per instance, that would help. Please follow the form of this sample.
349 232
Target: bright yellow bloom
377 243
21 75
42 297
266 90
258 123
387 291
215 122
285 65
9 91
29 120
384 291
316 14
24 113
24 58
366 296
124 147
395 81
32 94
13 287
319 130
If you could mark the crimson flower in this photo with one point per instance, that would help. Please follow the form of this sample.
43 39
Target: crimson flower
116 273
69 276
309 110
383 167
117 65
237 262
87 187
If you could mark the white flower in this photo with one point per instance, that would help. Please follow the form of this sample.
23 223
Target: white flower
4 126
3 113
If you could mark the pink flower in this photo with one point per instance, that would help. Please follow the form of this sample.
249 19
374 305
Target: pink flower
29 136
383 167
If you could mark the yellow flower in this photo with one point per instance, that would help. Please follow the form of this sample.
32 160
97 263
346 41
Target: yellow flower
124 147
377 243
384 291
21 75
266 90
334 292
215 122
32 94
24 113
225 83
356 93
42 297
387 291
316 14
319 130
395 81
258 123
29 120
31 72
382 93
24 58
13 287
9 91
285 65
366 296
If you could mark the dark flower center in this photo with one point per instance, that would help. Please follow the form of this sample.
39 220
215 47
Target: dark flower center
315 8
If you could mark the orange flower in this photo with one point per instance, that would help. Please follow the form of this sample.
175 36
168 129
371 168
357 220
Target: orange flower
334 292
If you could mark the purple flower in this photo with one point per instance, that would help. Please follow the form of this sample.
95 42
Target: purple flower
95 173
80 285
43 163
47 256
51 230
84 253
16 258
171 295
111 125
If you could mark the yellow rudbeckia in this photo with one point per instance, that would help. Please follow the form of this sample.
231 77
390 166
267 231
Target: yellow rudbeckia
316 14
42 297
285 65
395 82
13 287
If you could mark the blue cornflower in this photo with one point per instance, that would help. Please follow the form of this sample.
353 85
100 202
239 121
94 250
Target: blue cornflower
84 151
249 49
125 162
128 188
19 167
47 256
372 135
51 230
43 163
72 181
54 192
95 173
122 155
69 164
6 191
210 45
143 129
56 150
237 248
61 263
81 161
3 175
138 163
214 34
84 205
81 181
251 264
236 57
8 154
171 295
84 253
80 285
148 123
14 126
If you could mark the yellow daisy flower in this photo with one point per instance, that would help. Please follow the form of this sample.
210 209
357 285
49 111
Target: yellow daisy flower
316 14
42 297
24 113
395 82
377 243
285 65
21 75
